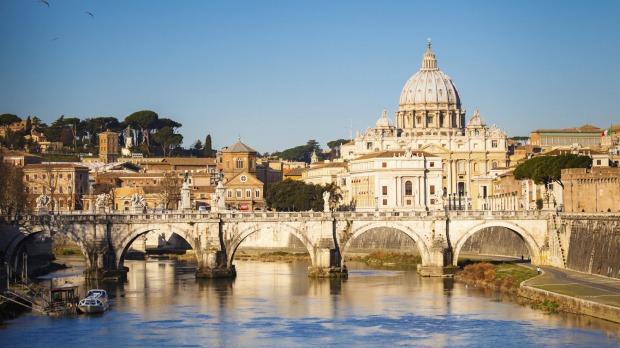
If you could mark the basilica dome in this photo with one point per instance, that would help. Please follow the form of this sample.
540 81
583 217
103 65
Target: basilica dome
429 87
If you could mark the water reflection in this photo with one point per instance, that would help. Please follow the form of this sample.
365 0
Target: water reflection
276 304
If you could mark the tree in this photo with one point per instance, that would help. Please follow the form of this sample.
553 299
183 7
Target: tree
6 120
548 169
208 147
294 195
301 153
28 128
54 131
334 147
145 120
13 193
169 189
167 139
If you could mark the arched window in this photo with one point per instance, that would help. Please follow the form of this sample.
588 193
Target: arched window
408 188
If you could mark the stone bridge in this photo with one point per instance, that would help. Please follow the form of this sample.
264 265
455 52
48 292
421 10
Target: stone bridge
105 238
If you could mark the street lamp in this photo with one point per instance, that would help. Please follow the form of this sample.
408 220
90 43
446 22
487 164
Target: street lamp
376 203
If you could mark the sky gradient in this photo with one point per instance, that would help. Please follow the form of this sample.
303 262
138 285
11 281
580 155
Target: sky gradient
279 73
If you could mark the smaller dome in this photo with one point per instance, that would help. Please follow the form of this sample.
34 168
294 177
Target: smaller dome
384 122
476 120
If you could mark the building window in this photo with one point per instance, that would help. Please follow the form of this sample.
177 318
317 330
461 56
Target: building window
432 189
239 162
493 143
494 165
60 189
384 201
248 193
229 193
69 176
418 120
81 176
408 188
432 164
384 164
257 193
461 167
476 132
238 193
384 190
369 146
598 162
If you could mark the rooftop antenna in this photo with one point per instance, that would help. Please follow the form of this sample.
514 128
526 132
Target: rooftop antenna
350 130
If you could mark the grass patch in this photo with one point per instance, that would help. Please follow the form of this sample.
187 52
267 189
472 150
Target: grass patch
383 257
67 251
503 275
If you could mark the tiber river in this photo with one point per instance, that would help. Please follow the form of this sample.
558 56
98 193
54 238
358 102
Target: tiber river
275 304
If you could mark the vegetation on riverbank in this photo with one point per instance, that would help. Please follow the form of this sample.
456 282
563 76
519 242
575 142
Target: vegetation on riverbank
502 276
383 257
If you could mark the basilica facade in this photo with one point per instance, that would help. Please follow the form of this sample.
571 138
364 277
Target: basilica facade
430 120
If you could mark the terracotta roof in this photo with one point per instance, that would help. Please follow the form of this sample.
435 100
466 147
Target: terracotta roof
586 128
567 151
66 165
295 172
239 147
329 165
189 161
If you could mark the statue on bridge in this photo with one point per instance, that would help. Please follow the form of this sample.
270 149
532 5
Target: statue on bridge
137 201
42 201
326 196
102 200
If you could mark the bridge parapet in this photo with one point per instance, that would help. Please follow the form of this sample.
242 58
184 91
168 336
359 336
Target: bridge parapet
499 214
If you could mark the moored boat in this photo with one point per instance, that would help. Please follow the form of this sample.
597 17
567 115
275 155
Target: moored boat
96 301
63 300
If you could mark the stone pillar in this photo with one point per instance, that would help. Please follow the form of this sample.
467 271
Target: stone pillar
327 264
185 197
215 265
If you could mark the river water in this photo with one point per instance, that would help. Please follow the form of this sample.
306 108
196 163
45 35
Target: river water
276 304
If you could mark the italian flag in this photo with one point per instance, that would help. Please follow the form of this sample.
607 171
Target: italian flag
606 132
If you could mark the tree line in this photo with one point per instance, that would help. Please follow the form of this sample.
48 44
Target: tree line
150 134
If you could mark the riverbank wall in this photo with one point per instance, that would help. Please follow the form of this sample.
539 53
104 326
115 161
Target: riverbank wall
592 243
571 304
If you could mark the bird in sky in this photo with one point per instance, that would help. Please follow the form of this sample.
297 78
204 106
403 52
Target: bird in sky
90 14
45 2
54 39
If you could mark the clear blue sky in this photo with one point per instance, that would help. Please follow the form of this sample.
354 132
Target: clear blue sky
278 73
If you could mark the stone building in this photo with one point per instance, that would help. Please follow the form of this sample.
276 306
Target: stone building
19 158
592 190
430 119
584 136
237 165
64 183
108 146
393 179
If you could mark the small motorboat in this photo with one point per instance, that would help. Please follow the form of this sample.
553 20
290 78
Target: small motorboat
96 301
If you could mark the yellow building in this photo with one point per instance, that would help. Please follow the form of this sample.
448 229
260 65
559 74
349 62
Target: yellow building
64 184
108 146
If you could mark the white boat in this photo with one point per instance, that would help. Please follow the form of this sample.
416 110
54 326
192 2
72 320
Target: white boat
96 301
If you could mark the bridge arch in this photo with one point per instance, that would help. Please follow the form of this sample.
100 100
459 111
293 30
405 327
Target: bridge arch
236 242
530 242
122 246
415 236
17 242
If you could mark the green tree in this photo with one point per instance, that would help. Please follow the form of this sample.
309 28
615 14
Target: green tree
28 125
54 131
208 147
294 195
6 120
145 121
548 169
168 139
301 153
